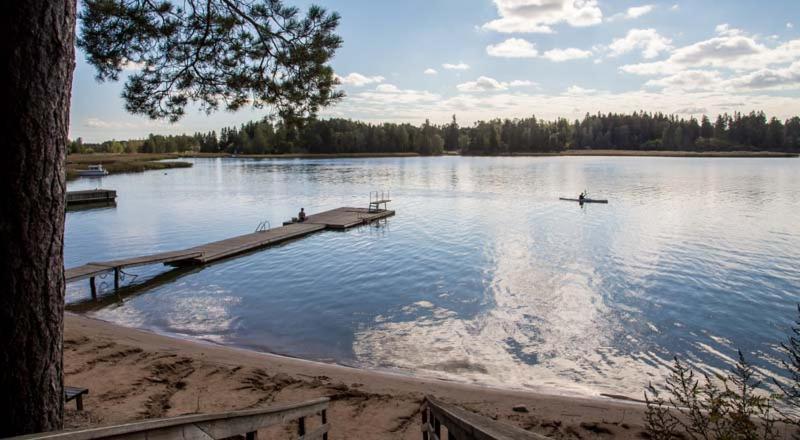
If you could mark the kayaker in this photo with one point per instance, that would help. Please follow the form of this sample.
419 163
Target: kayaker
301 216
582 197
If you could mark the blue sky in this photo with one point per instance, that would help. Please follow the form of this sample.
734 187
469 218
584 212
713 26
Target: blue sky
480 59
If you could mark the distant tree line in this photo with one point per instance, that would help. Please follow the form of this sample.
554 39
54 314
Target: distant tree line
636 131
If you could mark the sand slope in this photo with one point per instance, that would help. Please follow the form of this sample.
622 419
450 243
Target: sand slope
135 375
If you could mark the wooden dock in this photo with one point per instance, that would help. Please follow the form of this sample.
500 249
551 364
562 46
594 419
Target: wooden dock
90 196
339 219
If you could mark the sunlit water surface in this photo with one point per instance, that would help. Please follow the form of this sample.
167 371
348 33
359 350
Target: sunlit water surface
483 275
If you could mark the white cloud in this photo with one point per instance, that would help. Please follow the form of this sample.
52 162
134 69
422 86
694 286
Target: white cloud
789 25
649 41
579 91
359 80
559 55
132 66
539 15
769 79
638 11
730 49
459 66
572 103
522 83
430 71
390 94
675 7
689 80
513 48
726 30
387 88
632 12
519 48
99 123
486 84
651 69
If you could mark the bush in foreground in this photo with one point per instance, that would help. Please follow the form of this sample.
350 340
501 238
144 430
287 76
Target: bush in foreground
730 407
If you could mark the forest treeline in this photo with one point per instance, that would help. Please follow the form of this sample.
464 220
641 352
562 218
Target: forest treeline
636 131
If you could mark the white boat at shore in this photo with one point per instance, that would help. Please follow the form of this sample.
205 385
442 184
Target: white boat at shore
93 171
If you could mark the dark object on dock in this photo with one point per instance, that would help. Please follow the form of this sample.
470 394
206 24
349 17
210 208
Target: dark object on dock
584 200
90 196
340 218
464 425
71 393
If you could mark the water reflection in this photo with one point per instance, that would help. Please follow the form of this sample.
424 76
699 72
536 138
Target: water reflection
482 276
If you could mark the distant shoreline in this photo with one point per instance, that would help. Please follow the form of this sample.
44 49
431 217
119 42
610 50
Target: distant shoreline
138 162
631 153
676 153
648 153
300 155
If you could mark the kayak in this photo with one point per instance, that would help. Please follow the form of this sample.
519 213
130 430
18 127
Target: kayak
584 200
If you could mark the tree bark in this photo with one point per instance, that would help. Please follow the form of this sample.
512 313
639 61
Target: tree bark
38 54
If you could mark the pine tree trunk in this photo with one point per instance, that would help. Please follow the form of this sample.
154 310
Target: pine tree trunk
38 58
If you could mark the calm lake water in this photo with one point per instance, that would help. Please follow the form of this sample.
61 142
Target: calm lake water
483 275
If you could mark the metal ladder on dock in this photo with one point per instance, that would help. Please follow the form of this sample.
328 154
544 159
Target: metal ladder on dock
263 226
378 198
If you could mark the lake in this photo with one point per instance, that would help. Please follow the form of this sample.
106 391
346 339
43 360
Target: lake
482 276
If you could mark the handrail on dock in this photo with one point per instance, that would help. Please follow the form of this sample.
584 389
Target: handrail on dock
464 425
378 198
207 426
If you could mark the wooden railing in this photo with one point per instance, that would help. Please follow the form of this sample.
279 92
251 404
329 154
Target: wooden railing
240 424
464 425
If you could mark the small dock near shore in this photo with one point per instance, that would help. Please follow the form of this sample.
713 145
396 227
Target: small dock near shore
90 196
338 219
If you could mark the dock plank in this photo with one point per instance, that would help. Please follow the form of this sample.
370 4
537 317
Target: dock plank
162 257
243 243
85 271
343 218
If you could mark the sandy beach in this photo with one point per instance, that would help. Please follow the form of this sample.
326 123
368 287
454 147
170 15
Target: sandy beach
133 375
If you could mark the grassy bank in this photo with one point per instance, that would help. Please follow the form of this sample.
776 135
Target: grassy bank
121 163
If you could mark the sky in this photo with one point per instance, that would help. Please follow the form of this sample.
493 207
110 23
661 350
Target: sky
411 60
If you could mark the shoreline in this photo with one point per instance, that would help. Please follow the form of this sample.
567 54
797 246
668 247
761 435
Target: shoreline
120 163
134 374
678 153
300 155
648 153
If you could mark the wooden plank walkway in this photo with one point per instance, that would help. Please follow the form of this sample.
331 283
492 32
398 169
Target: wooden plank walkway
344 218
93 269
339 218
243 243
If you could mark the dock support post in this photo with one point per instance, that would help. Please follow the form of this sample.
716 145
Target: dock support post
93 286
324 421
116 278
